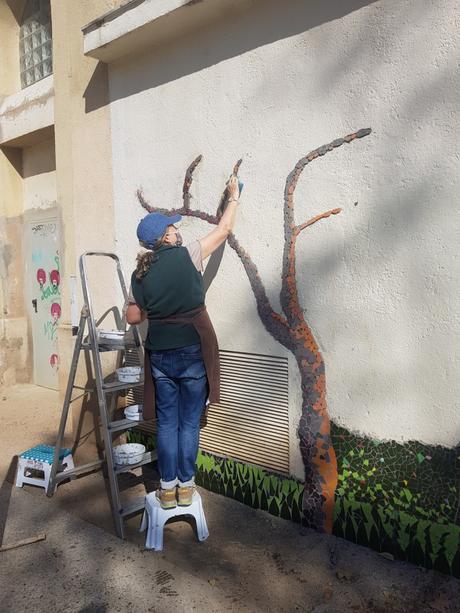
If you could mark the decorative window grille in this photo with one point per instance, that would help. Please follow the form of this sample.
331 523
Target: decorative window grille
35 42
251 423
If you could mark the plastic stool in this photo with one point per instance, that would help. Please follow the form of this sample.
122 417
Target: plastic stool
40 458
154 519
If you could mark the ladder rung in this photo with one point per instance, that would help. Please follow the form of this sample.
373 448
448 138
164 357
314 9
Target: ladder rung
134 506
110 347
110 386
78 470
84 389
113 386
124 424
149 456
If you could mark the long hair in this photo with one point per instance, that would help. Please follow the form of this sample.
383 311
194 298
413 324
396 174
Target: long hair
147 257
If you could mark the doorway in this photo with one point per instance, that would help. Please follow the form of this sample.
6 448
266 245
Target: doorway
43 278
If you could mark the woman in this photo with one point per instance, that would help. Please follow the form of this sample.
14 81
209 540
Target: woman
167 288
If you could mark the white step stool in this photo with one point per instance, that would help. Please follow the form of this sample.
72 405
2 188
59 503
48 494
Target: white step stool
154 519
40 458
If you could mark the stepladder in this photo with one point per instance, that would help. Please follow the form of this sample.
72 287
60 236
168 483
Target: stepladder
106 390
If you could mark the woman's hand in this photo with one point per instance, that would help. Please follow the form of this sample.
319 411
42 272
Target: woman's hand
233 190
214 239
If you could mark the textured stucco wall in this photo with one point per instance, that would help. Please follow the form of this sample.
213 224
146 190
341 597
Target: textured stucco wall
27 111
83 156
32 179
15 347
377 282
39 175
14 341
83 172
9 31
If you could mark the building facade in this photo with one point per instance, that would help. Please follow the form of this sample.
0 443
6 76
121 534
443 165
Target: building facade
335 302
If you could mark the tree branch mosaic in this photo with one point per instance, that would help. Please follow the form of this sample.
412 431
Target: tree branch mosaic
292 331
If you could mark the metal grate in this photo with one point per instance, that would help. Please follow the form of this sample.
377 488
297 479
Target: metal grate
251 423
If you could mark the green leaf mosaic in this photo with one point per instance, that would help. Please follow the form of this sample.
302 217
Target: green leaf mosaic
405 498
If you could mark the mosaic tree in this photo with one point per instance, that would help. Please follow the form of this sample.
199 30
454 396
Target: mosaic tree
291 330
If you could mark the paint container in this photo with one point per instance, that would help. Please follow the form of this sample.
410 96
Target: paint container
110 335
134 412
128 453
129 374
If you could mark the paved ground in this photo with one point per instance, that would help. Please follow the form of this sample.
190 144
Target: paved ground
252 561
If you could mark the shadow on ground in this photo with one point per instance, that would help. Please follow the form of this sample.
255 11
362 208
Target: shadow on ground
251 561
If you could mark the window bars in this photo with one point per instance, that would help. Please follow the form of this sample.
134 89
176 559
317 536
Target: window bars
35 42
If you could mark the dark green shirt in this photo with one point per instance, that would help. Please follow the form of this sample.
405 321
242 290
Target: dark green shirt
172 285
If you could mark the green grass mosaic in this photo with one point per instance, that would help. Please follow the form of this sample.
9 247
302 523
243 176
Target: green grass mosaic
134 436
397 498
251 485
246 483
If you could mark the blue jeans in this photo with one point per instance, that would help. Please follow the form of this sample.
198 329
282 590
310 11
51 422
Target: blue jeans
181 389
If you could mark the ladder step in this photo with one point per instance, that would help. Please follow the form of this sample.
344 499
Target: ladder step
134 506
124 424
149 456
109 346
79 470
109 386
114 386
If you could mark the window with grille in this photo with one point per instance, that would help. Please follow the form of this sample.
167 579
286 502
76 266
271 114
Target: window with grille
35 42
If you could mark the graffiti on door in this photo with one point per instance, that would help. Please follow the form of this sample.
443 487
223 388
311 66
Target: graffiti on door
46 296
51 291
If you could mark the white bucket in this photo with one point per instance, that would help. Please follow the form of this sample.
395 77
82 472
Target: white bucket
134 412
128 453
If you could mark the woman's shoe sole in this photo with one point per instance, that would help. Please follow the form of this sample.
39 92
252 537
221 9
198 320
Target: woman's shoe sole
169 505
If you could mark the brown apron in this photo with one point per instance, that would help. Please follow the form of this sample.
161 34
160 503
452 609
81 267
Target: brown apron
200 319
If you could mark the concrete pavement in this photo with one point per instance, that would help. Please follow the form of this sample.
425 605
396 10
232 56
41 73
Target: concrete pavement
252 561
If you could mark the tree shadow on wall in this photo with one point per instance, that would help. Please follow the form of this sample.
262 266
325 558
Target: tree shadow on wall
233 32
397 218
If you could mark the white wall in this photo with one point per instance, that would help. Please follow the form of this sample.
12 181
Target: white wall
379 282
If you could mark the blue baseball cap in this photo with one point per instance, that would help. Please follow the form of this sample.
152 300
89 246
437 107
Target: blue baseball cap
153 226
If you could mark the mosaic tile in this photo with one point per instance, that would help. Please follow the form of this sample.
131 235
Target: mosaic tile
396 498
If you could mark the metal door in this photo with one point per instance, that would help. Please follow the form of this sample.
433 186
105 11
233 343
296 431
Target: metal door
45 299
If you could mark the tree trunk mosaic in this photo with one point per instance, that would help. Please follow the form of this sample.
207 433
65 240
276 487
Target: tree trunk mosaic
291 330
